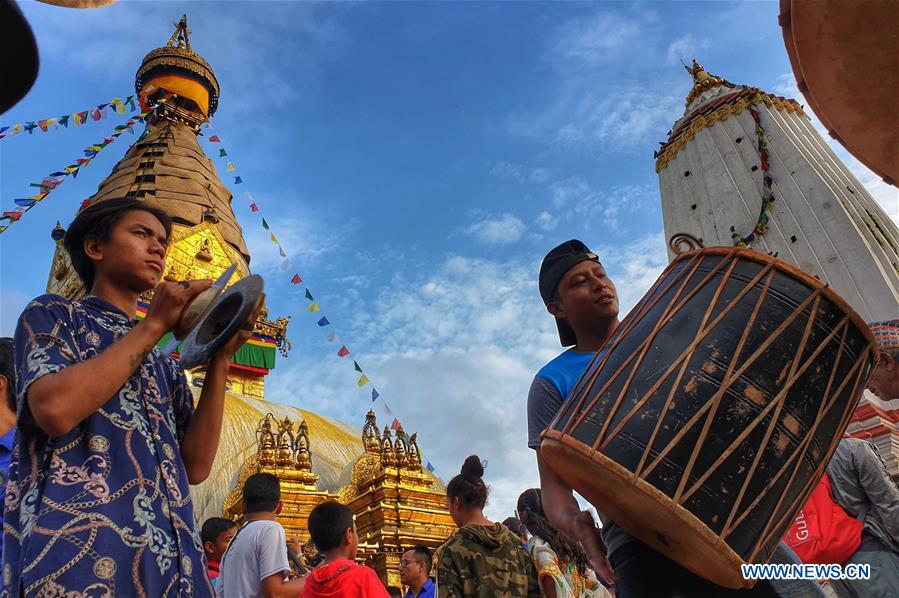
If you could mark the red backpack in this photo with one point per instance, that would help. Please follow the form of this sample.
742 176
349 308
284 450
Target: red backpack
822 531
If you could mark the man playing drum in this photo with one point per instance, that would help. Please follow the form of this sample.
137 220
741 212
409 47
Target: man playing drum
580 295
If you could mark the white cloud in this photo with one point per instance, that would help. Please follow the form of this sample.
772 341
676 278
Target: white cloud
546 221
606 207
685 48
786 86
453 352
540 175
509 171
503 230
624 117
596 39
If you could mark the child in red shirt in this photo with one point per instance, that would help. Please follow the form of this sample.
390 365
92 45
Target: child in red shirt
216 534
333 532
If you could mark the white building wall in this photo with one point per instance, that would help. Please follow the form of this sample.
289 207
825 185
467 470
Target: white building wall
822 219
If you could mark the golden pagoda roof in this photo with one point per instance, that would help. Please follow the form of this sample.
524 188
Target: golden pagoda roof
333 444
178 57
169 170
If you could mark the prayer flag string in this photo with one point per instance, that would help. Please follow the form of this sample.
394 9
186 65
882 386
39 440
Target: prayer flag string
54 179
314 307
76 119
761 224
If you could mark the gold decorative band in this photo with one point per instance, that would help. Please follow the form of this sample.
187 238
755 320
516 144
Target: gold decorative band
740 104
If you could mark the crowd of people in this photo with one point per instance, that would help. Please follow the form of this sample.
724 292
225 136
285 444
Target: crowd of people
100 440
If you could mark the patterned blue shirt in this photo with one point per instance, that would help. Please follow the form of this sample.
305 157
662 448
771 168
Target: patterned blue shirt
104 510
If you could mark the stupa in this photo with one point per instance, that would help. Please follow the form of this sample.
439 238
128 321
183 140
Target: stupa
744 166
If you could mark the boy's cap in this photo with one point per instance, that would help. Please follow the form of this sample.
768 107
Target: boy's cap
555 265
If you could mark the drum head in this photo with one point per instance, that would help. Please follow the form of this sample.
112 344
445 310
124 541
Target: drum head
223 318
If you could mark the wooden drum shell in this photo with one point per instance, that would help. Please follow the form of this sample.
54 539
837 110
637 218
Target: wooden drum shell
710 418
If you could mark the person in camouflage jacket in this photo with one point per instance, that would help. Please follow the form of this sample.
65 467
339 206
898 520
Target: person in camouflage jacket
484 559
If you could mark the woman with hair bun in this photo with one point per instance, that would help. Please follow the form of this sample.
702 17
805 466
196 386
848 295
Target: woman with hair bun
561 563
484 559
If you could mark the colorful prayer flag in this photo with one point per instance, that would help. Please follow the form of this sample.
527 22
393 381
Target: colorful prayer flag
274 239
343 352
363 380
430 467
14 216
313 307
248 196
230 167
332 337
281 251
254 207
25 201
64 120
285 265
265 224
215 139
222 153
374 394
323 321
396 424
237 180
356 366
296 279
309 295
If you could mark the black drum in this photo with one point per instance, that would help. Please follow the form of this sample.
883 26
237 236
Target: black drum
708 421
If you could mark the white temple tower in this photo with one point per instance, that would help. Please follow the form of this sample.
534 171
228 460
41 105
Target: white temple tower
745 166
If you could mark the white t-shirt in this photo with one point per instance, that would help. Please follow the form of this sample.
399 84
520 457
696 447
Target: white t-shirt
257 551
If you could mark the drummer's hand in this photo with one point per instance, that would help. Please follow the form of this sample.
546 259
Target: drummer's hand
588 536
169 300
242 335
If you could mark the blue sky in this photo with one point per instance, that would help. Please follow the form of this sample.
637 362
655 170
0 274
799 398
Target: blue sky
416 160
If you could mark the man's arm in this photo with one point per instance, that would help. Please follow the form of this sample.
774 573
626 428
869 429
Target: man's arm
275 586
61 400
878 486
201 439
565 515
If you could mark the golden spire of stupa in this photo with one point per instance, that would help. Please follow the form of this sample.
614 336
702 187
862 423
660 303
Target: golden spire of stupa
702 80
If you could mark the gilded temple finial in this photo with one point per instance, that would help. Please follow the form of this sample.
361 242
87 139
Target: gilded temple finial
387 455
175 68
266 441
400 449
698 73
702 80
370 433
303 461
180 36
414 453
285 443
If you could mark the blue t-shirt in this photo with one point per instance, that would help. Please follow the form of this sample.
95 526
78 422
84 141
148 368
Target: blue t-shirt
427 590
551 386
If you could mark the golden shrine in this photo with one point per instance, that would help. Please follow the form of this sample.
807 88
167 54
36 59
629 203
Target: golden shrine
397 503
